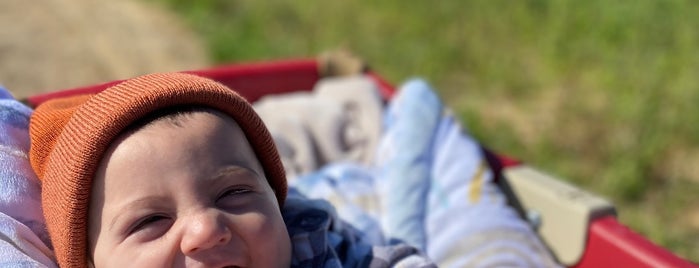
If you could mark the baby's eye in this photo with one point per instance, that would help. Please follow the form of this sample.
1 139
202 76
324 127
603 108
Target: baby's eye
233 195
235 191
151 221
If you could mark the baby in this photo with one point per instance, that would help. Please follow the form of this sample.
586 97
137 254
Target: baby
170 170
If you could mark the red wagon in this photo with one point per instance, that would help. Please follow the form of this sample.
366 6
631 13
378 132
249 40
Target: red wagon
580 228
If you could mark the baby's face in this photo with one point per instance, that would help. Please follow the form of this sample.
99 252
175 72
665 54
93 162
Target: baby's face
193 195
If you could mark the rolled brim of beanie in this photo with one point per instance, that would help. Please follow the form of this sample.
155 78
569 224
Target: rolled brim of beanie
70 136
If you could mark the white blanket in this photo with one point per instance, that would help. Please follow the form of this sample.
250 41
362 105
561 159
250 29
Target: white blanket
340 120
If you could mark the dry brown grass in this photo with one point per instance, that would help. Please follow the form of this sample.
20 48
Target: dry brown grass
46 45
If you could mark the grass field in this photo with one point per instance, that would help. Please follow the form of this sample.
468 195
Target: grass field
602 93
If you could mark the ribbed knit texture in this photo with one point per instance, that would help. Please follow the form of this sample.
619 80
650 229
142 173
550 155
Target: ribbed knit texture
70 135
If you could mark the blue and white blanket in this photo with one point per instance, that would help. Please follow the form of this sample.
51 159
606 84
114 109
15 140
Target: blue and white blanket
430 186
23 237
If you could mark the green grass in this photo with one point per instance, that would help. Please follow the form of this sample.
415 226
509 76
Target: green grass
602 93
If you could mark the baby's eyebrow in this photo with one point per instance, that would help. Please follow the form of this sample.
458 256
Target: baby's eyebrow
234 171
140 202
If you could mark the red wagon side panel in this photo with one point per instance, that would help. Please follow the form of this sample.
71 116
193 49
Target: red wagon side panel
611 244
252 80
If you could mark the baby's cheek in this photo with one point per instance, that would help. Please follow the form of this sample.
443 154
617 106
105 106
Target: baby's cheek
158 253
266 235
261 223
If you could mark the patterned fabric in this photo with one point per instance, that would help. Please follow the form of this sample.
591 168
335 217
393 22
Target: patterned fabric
321 239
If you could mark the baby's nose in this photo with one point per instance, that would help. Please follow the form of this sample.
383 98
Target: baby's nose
204 230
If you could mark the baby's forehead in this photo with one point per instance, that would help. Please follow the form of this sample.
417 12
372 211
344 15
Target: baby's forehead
200 129
176 116
205 121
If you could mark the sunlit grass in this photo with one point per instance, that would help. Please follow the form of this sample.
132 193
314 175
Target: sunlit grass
602 93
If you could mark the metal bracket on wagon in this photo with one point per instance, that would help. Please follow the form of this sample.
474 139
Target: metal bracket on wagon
559 211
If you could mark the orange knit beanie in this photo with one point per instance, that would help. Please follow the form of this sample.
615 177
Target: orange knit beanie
69 136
